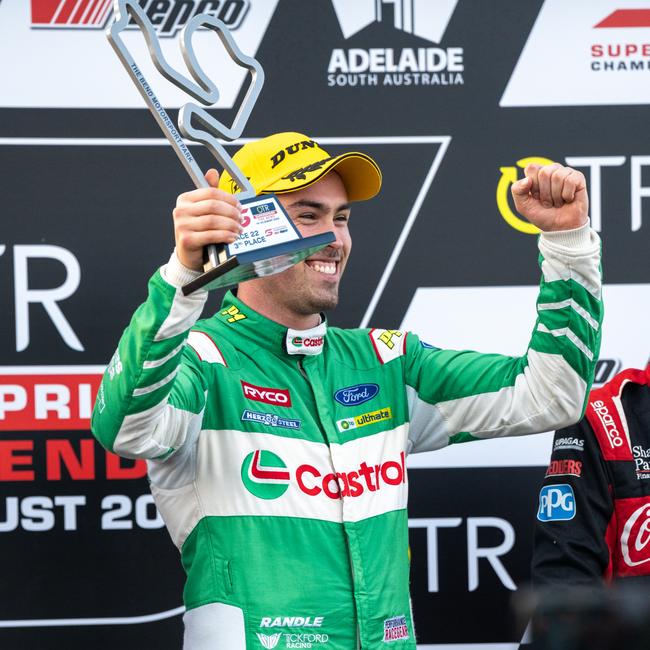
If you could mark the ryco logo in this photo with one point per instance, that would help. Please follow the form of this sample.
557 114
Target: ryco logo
613 434
265 475
358 394
275 396
635 540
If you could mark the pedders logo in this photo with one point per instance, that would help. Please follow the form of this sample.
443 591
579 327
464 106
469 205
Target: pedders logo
168 16
266 476
564 468
635 539
274 396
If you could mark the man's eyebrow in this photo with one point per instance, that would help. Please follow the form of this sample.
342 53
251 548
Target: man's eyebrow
317 205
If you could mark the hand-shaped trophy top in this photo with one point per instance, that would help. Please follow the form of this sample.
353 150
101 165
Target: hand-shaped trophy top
248 256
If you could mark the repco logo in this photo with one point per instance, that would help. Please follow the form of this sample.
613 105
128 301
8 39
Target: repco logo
167 16
613 434
275 396
171 15
278 157
308 342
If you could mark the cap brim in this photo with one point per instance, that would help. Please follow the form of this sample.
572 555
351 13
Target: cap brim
360 175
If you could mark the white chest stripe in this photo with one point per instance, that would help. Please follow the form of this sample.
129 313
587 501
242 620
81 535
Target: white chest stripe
240 473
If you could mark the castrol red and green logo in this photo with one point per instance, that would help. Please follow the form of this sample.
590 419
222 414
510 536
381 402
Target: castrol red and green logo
265 475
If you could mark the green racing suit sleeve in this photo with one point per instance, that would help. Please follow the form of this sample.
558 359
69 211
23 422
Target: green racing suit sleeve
152 393
457 396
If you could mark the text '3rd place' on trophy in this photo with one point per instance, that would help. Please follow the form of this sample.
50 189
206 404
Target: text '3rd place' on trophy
255 252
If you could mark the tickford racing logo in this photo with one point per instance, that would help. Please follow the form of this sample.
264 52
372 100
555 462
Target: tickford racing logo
387 66
265 475
168 16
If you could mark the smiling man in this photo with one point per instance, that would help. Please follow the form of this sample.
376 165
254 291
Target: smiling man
277 445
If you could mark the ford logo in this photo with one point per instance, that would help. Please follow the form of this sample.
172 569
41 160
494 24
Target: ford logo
353 395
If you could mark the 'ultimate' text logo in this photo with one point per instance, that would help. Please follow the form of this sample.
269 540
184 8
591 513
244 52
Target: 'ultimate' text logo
387 66
168 16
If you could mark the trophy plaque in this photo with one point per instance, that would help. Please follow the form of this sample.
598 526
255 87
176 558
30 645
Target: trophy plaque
269 243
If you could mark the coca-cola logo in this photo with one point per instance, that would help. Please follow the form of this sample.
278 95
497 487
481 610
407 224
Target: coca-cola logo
275 396
635 540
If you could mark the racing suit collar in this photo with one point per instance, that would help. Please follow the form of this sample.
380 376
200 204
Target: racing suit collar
266 333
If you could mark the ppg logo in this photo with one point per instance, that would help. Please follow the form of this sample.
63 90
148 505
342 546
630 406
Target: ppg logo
556 503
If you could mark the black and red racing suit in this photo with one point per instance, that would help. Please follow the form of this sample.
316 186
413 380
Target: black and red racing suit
593 520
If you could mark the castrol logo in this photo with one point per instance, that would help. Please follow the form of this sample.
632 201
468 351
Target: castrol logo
635 539
365 478
307 341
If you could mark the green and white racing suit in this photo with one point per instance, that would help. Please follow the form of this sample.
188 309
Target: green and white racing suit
277 458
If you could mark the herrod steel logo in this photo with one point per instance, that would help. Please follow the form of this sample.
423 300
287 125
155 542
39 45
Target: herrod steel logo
169 16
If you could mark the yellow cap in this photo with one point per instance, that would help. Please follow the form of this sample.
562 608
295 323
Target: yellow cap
286 162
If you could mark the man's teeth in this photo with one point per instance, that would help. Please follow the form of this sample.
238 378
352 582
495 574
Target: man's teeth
324 267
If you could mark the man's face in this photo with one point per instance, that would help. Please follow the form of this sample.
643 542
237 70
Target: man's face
312 286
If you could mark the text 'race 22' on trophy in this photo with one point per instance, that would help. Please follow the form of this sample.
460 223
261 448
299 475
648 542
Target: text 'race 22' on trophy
270 243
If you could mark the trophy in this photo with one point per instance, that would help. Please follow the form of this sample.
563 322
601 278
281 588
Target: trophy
269 243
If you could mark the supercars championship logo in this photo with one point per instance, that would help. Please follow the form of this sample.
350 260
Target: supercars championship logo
169 15
603 48
387 66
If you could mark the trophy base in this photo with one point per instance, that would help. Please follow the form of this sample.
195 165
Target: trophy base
259 263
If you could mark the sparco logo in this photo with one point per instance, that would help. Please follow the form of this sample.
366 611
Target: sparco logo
613 434
635 540
168 16
353 395
275 396
385 66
